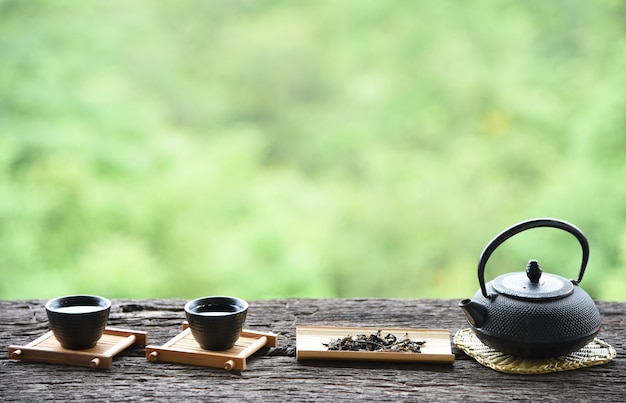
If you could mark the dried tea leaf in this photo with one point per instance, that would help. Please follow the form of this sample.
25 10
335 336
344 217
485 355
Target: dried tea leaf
375 342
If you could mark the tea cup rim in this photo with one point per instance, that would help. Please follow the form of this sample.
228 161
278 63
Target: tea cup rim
54 304
242 304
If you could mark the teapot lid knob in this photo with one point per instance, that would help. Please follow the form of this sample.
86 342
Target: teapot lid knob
533 271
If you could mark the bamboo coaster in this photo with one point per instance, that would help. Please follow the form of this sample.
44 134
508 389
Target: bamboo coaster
183 349
595 352
47 349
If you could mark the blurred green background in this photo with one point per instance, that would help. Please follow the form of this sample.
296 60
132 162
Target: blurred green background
328 148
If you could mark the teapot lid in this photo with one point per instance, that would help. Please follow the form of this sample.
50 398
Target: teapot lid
532 284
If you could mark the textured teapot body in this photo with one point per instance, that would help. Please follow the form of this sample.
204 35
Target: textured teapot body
532 314
533 329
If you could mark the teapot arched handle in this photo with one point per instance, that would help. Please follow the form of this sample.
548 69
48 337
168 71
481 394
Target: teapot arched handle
523 226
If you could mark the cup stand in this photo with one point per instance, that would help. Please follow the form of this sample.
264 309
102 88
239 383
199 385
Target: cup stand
47 349
183 349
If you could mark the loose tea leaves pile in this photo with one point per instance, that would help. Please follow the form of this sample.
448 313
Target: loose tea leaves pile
375 342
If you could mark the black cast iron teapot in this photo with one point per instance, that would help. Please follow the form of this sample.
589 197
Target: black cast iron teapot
533 314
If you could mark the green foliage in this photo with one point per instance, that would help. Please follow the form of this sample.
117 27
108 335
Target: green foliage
316 149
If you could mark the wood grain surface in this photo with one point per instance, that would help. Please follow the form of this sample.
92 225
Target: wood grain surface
274 374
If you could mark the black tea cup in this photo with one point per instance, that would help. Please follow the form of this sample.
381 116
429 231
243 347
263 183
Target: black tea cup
78 321
216 322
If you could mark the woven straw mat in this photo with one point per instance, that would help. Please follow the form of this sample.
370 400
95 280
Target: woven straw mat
595 353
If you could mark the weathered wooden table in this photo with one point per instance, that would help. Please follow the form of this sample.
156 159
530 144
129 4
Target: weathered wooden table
275 374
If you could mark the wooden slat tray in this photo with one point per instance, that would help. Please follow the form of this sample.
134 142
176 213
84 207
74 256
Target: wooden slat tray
310 344
183 349
47 349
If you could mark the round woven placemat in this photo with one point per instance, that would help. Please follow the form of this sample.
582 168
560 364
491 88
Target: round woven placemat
595 353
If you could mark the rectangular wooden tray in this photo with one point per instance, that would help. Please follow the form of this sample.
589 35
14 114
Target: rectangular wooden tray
47 349
183 349
310 344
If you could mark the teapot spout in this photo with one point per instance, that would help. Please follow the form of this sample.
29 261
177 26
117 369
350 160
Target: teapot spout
476 313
